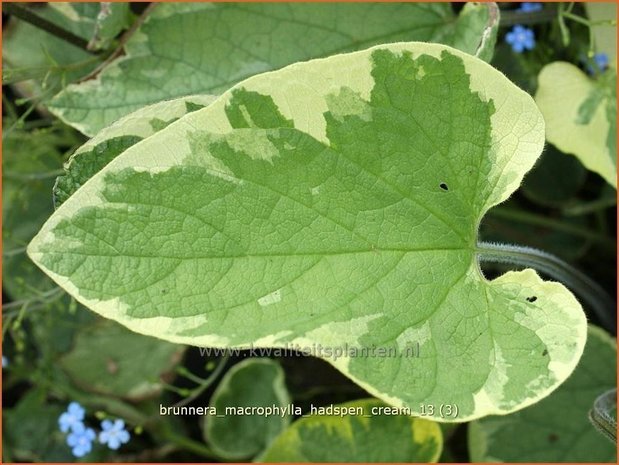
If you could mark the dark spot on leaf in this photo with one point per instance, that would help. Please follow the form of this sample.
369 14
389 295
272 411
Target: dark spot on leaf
531 299
164 291
545 352
443 186
553 437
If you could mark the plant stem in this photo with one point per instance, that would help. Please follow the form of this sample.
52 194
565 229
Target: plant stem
9 107
531 218
14 75
32 176
589 207
511 18
600 415
587 22
189 444
23 13
591 292
46 296
205 384
565 32
121 43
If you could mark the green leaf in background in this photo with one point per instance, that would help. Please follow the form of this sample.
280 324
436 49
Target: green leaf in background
250 383
224 43
115 139
477 27
580 116
367 436
333 203
556 429
30 162
107 359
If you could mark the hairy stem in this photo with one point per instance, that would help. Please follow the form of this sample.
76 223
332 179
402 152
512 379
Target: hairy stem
591 292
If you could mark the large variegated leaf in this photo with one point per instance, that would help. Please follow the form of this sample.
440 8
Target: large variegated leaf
333 204
192 48
556 429
116 138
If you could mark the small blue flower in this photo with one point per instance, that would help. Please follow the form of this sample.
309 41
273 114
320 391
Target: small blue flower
113 434
596 64
520 38
529 7
80 439
72 417
5 362
601 61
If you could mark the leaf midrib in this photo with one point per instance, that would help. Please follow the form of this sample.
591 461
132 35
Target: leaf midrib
267 254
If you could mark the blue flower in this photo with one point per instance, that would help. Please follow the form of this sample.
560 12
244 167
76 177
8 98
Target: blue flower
80 439
601 61
520 38
113 434
5 362
529 7
72 417
596 64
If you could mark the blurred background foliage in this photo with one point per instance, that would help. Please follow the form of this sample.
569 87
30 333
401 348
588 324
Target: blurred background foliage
55 352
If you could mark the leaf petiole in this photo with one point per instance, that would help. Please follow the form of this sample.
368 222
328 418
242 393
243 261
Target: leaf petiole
591 292
25 14
600 415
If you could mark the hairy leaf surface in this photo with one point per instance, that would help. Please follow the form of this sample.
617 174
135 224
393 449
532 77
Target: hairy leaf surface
204 48
366 437
333 204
